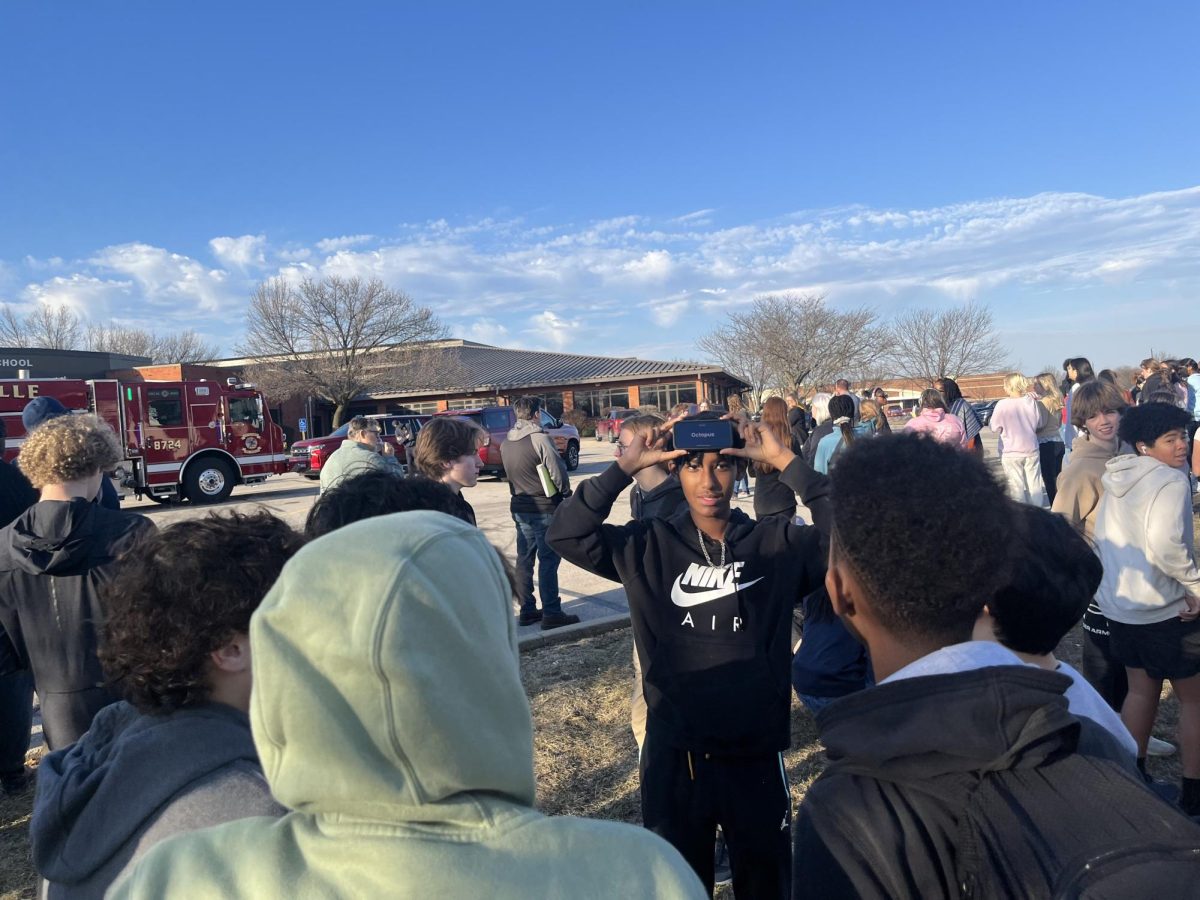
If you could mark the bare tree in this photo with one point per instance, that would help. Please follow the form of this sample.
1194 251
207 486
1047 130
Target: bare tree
959 341
186 346
120 339
342 338
170 347
12 327
739 350
48 327
787 341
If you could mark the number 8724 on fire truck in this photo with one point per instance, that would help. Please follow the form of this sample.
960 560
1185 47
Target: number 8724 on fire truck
189 440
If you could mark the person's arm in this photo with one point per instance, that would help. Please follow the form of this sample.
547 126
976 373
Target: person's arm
1165 535
1195 456
1076 501
578 533
813 489
996 423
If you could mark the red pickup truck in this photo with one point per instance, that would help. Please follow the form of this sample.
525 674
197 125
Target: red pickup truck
497 420
610 426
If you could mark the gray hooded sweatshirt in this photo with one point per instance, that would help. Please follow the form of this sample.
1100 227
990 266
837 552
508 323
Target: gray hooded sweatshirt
1145 541
134 780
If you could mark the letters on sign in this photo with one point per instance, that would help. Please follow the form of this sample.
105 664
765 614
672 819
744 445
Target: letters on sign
18 391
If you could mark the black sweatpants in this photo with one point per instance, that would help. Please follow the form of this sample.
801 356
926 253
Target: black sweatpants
1050 460
1097 665
66 716
685 796
16 709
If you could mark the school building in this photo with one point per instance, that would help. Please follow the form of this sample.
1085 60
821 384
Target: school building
495 376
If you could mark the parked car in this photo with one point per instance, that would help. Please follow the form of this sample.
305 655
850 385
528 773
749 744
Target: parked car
610 426
497 420
308 456
983 409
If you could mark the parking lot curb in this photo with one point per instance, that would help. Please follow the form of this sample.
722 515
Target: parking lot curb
590 628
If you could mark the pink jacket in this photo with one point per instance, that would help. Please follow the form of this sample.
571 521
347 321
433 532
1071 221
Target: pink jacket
940 425
1017 419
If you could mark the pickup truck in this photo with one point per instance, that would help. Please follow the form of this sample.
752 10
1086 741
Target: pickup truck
308 456
497 420
610 426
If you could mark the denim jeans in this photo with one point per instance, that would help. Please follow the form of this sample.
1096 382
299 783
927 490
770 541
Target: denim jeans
531 543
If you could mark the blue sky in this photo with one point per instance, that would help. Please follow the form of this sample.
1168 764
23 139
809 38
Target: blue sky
612 177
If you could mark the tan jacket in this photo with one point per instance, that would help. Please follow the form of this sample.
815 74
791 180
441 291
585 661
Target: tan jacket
1079 488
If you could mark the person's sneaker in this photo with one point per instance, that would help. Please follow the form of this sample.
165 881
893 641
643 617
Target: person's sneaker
1155 747
722 874
15 782
558 620
529 618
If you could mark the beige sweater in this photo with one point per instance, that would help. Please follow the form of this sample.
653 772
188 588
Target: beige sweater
1079 489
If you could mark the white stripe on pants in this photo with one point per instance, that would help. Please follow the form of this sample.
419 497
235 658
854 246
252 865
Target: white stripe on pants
1024 477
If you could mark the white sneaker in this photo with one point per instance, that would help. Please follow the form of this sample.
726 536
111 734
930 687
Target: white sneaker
1155 747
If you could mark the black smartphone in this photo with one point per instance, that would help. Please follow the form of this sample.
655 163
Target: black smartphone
703 434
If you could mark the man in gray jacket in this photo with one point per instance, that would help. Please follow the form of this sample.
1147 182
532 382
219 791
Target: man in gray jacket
362 451
533 502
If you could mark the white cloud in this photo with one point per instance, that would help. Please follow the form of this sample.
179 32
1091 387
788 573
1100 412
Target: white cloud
240 252
553 330
333 244
654 265
90 297
34 264
166 278
699 217
667 312
483 331
613 283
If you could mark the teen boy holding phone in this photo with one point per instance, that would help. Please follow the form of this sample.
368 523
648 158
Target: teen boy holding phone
711 594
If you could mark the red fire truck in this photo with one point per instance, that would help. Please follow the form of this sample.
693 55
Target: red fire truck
183 439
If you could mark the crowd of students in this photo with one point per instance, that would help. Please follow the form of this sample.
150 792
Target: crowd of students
238 709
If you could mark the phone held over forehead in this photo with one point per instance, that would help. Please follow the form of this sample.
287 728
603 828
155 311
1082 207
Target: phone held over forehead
703 434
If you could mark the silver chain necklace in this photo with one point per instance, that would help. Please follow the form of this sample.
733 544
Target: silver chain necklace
704 550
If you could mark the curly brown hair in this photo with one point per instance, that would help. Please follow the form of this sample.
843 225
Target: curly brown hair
68 448
182 593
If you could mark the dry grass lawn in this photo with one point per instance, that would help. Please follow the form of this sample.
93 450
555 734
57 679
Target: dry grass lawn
586 758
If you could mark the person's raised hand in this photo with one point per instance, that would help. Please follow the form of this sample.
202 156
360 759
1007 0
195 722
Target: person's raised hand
642 452
761 444
386 449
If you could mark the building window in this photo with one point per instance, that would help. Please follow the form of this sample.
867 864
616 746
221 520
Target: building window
552 403
472 403
598 403
423 408
664 396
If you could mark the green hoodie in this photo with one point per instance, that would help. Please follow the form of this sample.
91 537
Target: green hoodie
389 714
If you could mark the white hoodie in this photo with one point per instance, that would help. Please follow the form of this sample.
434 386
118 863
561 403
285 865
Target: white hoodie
1144 539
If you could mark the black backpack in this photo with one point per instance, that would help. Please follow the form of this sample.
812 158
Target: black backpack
1074 828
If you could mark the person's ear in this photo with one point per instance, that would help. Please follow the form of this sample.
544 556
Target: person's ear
234 655
841 594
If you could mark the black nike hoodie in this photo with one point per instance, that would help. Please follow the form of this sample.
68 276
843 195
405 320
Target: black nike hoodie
714 642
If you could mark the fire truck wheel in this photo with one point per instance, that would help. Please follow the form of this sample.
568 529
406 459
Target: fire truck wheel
208 481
